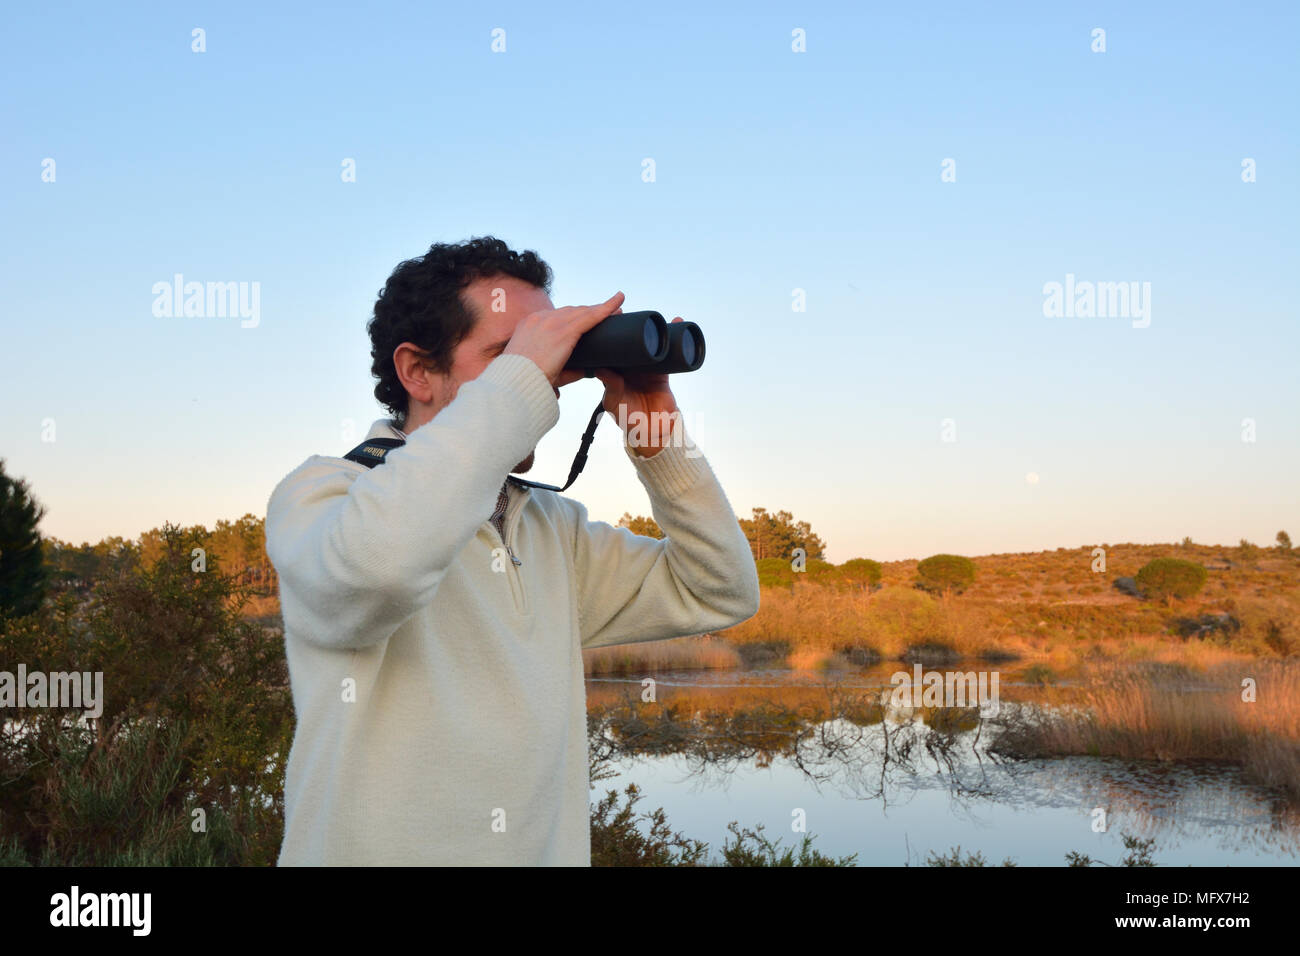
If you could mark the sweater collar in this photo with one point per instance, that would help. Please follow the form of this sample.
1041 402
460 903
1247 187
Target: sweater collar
385 428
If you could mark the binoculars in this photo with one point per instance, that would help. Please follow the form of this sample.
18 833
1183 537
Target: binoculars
639 342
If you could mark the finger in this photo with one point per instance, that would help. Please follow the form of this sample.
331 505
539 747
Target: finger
568 376
678 319
592 315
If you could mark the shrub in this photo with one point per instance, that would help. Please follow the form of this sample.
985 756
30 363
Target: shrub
1127 586
954 858
617 840
861 572
858 654
753 848
199 716
1039 674
774 572
1166 578
620 837
819 572
1207 625
763 653
945 572
931 653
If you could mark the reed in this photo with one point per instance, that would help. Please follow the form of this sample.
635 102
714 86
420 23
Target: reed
1172 711
687 653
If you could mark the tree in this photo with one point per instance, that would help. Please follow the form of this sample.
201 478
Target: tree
641 525
774 573
861 573
23 573
1166 578
77 566
1284 541
945 572
196 713
777 535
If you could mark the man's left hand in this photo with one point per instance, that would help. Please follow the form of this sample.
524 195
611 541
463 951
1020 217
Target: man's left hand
643 405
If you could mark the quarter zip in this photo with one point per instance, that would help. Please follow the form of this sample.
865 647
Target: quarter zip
517 500
513 560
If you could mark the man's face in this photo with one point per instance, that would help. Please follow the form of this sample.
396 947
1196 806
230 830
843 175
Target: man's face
492 331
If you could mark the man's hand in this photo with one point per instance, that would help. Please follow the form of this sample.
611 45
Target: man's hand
648 407
548 337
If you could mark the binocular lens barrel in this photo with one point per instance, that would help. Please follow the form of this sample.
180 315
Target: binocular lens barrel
632 338
688 347
642 342
652 337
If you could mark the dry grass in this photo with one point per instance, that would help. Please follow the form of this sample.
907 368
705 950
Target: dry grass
1174 712
264 610
685 653
819 621
1049 607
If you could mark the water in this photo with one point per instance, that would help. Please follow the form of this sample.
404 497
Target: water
879 791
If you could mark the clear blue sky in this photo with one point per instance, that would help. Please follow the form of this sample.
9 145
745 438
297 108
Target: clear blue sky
775 171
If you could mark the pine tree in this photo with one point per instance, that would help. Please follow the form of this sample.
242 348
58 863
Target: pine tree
777 535
23 574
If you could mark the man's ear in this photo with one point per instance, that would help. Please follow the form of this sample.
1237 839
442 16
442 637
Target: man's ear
414 372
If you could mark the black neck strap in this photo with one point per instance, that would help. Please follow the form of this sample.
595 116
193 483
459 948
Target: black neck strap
374 451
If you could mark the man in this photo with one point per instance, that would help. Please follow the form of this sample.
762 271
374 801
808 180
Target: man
435 613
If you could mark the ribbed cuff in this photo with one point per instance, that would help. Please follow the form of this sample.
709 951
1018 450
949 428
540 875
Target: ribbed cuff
521 374
674 468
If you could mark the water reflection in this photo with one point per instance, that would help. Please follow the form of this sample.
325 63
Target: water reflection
880 776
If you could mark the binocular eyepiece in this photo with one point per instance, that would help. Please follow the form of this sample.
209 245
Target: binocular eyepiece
639 342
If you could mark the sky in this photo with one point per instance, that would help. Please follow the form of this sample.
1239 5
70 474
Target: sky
862 206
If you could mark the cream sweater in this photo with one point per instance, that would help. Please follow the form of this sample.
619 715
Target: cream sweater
438 687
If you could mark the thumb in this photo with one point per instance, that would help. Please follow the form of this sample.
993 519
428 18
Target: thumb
609 378
613 383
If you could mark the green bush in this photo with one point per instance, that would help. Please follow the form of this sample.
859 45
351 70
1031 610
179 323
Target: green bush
1166 578
199 717
819 572
624 836
774 572
753 848
945 572
861 572
618 839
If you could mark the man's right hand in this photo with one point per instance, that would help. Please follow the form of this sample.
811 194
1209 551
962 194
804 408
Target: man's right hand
548 337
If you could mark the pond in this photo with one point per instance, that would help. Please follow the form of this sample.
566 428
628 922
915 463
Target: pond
893 791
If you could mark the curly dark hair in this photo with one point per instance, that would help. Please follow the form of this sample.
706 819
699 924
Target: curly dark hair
421 304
